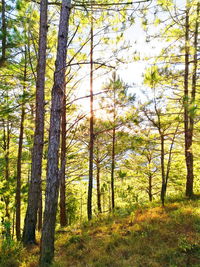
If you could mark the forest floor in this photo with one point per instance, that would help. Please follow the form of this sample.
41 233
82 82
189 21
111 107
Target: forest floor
147 236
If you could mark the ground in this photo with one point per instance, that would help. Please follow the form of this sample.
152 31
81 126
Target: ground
144 235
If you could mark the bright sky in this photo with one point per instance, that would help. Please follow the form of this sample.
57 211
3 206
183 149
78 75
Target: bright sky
131 73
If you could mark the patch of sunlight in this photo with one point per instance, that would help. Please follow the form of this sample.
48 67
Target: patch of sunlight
157 213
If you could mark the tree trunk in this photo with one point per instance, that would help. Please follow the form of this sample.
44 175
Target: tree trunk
91 145
150 187
113 147
4 32
195 59
163 189
63 216
36 169
109 199
113 170
188 154
6 148
190 158
19 158
40 208
52 187
98 189
81 207
13 225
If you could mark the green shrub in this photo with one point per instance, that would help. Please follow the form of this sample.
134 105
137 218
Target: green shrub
10 253
187 246
75 239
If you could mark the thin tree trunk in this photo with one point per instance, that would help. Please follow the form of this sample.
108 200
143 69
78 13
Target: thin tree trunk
113 169
109 199
63 216
98 189
81 207
190 158
113 148
195 59
91 145
188 154
103 200
163 189
150 178
150 187
4 32
18 188
13 225
36 170
52 187
19 158
40 208
170 156
6 147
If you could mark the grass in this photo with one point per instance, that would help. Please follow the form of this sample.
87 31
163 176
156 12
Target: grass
149 236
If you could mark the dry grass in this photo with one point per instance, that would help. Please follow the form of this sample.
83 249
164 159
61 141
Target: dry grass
152 236
149 236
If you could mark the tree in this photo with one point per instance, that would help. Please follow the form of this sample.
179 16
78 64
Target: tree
190 100
6 148
19 157
35 184
144 162
155 117
101 151
4 32
47 240
91 144
180 27
118 99
63 217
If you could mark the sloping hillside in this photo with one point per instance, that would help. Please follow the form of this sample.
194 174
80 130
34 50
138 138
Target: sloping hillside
148 236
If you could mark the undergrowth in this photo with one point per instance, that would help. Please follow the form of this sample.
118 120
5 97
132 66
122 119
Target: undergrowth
144 235
11 251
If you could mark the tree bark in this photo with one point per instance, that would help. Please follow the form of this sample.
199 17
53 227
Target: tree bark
188 154
52 187
150 188
36 169
163 189
91 145
98 189
6 148
40 209
63 216
4 32
113 169
113 148
19 158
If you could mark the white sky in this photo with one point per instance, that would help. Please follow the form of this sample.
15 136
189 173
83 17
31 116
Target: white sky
131 73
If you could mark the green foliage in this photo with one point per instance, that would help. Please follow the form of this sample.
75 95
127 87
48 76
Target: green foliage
10 251
121 174
137 143
152 76
75 239
187 246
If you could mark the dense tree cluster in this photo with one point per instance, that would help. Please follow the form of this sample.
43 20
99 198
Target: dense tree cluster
92 149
